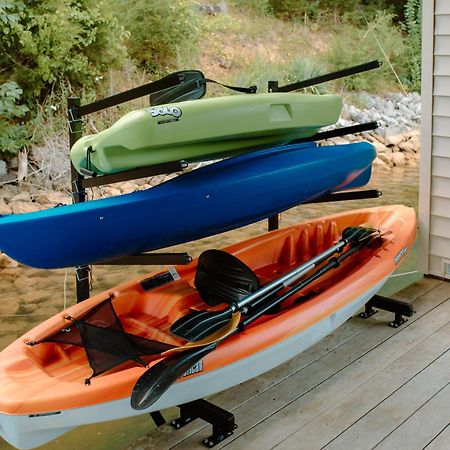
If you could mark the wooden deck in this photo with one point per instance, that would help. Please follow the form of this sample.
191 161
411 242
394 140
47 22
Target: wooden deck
365 386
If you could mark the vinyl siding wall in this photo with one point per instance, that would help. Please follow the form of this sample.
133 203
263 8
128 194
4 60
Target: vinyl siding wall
434 196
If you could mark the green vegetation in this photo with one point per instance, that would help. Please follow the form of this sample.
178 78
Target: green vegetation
45 43
256 6
55 48
413 26
354 45
13 134
360 28
347 11
161 34
51 46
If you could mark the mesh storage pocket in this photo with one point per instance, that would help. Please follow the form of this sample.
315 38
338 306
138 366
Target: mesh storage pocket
104 340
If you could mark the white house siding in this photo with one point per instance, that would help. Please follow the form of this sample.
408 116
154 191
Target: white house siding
434 201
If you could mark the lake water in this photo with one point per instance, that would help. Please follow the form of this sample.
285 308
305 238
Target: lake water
28 296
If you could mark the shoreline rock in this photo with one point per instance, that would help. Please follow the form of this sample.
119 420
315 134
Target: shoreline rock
397 139
396 113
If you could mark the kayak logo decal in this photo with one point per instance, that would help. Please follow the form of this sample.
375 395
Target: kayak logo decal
54 413
173 111
196 368
400 254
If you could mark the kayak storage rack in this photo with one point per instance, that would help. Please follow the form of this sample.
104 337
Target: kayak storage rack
80 182
88 179
399 308
222 421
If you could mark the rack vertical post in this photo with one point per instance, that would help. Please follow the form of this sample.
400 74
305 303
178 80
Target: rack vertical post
79 183
78 192
273 222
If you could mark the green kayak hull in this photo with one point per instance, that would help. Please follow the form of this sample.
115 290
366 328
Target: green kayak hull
204 129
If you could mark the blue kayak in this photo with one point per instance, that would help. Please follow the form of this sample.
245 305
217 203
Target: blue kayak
207 201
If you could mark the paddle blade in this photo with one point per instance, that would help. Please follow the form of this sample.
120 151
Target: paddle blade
200 324
192 86
155 381
358 234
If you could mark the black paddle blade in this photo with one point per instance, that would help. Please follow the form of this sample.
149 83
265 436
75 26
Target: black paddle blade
200 324
155 381
358 234
192 86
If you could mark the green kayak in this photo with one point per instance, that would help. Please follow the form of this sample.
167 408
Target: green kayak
204 129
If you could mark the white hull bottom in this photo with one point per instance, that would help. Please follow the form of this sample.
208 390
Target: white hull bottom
26 432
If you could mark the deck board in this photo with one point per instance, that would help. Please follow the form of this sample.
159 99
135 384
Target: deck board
334 391
440 442
423 426
372 428
374 407
351 365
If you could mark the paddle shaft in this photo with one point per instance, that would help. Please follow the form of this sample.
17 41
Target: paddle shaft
256 313
332 264
290 276
271 292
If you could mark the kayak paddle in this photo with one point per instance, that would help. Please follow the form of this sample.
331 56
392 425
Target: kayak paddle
199 324
157 379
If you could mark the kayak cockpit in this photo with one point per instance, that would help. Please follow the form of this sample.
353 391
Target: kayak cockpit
218 278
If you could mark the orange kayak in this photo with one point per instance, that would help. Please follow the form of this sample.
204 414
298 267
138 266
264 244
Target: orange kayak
43 388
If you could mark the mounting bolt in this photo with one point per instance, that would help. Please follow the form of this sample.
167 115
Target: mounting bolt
208 443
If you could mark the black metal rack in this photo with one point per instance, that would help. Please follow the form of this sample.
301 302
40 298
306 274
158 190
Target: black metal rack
222 421
80 183
89 179
399 308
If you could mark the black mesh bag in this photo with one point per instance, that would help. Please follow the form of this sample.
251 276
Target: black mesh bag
104 340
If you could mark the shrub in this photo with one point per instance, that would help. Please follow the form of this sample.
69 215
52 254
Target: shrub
47 42
354 46
13 134
160 32
350 11
259 71
262 7
304 68
413 26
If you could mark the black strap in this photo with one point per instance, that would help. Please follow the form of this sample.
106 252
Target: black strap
330 76
249 90
177 78
171 80
88 159
338 132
